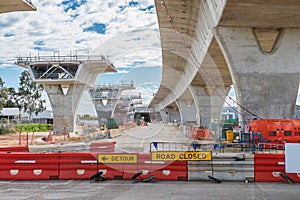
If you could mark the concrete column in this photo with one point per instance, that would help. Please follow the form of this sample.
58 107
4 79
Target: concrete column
188 111
266 83
104 111
64 106
209 104
170 114
164 116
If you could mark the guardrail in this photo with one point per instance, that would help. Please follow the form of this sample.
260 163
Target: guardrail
170 146
58 58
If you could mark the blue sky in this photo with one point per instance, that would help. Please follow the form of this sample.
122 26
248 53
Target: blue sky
125 30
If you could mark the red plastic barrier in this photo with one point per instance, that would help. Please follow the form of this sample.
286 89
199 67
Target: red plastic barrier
77 165
169 170
102 147
162 170
144 161
268 166
14 149
131 169
111 171
29 166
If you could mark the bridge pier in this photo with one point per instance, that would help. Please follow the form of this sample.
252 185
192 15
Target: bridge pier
170 115
265 70
209 104
64 106
65 78
188 111
106 97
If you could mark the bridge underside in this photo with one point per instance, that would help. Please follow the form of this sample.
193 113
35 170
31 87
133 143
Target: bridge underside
15 5
198 56
191 59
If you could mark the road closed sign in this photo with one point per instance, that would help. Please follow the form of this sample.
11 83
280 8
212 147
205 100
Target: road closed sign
181 156
117 158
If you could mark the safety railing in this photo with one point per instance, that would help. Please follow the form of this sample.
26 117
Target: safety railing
234 147
58 58
175 146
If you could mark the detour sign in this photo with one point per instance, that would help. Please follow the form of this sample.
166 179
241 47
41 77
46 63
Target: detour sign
181 156
117 158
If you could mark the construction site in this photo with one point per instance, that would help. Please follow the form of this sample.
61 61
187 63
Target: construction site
183 142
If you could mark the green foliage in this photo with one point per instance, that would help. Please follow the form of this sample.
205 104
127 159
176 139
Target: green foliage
29 95
4 129
112 123
32 127
3 121
3 94
12 97
86 117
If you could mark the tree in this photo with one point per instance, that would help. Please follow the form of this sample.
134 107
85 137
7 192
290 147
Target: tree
12 96
3 94
29 95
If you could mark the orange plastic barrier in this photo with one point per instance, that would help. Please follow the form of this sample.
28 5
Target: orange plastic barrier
102 147
29 166
268 166
77 165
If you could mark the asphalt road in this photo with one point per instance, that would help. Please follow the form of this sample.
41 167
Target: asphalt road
138 139
161 190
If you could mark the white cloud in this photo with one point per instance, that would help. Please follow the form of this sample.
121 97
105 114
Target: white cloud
59 31
131 38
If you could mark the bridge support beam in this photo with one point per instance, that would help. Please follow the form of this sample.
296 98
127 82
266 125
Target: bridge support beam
266 81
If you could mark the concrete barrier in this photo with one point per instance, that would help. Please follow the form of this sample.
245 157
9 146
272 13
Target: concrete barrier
224 168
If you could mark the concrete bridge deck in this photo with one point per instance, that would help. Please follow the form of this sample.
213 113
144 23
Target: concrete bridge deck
209 45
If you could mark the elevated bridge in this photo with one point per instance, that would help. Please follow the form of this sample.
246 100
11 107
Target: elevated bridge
209 45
